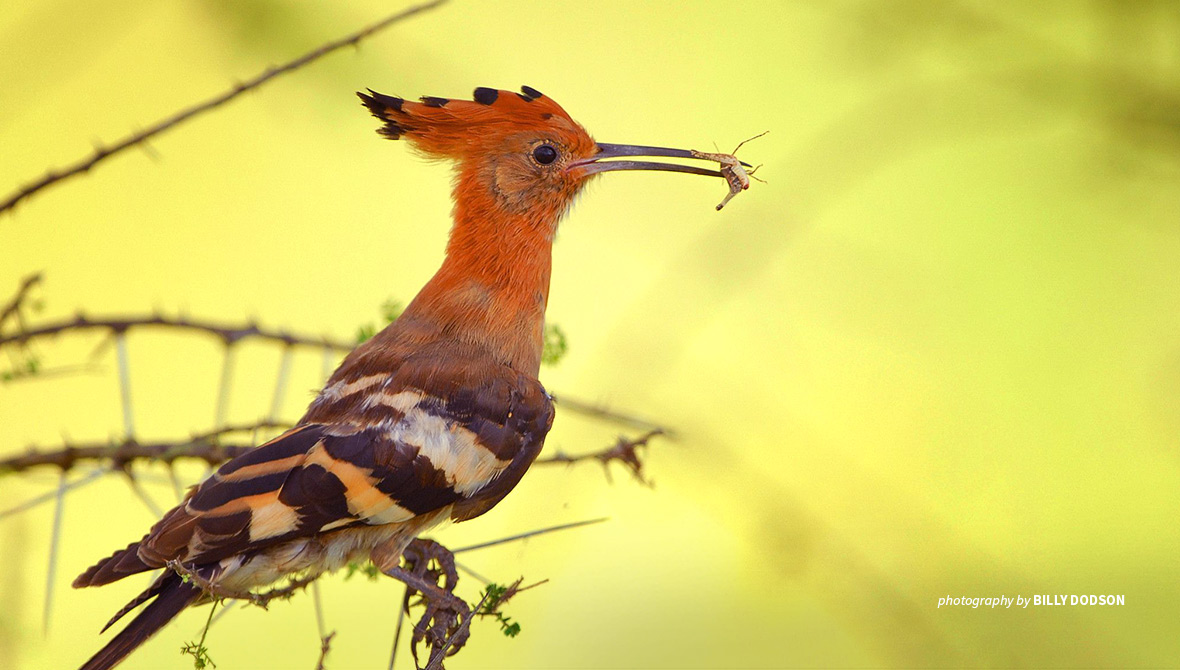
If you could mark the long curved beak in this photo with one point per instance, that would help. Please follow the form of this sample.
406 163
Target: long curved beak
600 162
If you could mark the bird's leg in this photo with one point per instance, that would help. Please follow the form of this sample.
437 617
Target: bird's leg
420 552
441 624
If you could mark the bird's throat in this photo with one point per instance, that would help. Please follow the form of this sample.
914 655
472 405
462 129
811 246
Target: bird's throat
492 288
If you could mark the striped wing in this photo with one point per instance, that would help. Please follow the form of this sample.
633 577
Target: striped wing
405 452
374 448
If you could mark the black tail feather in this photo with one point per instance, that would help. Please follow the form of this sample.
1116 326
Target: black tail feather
154 590
172 595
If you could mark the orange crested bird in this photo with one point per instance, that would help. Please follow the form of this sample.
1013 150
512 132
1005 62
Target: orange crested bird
438 416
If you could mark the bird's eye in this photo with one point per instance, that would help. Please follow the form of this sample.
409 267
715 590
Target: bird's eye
545 154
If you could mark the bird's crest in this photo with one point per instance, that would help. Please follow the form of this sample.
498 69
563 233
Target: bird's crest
452 128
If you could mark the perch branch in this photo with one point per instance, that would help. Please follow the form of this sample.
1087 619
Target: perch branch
204 446
228 333
209 448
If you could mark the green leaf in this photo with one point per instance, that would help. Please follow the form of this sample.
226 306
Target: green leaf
391 309
555 346
200 654
367 569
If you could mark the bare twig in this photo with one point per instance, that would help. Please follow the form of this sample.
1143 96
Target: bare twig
460 633
204 447
102 153
325 647
209 448
22 292
531 533
601 411
624 451
228 333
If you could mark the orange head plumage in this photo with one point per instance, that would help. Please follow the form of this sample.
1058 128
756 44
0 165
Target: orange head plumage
520 161
511 149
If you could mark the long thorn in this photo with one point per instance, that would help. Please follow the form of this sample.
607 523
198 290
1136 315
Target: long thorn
397 631
599 411
125 384
531 533
46 497
473 573
137 489
276 402
54 542
326 364
174 479
227 372
319 609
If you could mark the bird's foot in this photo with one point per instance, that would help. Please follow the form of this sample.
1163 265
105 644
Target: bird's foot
430 574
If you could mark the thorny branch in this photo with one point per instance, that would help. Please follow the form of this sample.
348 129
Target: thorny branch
448 632
429 575
122 455
232 333
102 153
625 451
445 625
207 447
325 647
229 333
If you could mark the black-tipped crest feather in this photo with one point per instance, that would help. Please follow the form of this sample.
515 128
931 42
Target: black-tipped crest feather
378 105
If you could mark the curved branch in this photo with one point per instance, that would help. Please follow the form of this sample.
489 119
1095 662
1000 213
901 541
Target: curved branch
102 153
18 300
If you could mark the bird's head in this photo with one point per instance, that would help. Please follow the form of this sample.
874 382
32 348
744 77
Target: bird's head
519 153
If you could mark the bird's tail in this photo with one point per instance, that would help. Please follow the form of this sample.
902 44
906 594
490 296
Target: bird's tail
172 595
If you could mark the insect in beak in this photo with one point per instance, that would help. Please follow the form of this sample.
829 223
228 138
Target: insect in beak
600 162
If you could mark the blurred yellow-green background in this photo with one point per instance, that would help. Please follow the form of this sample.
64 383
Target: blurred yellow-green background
937 353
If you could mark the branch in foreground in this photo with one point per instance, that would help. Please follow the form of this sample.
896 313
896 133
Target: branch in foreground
205 447
600 411
102 153
428 571
228 333
624 451
208 448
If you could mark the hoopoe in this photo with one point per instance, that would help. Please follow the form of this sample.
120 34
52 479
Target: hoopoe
437 416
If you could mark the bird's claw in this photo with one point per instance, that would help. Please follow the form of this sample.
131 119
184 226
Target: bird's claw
430 574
